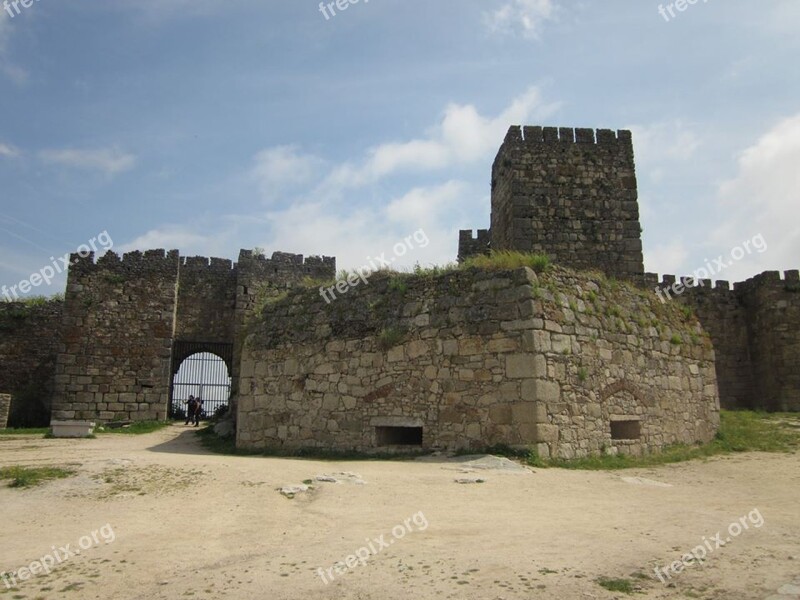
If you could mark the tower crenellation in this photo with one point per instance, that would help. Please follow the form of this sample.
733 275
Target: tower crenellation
571 194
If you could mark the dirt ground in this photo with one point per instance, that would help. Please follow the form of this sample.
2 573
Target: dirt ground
190 524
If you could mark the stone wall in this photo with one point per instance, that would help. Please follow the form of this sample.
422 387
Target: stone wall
754 331
118 327
773 307
5 408
570 194
124 317
30 334
477 358
259 279
206 300
473 245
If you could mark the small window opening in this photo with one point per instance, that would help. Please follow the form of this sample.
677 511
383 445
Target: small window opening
626 430
399 436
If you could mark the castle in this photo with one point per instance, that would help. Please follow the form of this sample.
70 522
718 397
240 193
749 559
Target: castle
571 361
572 194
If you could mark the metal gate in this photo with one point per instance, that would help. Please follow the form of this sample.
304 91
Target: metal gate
200 370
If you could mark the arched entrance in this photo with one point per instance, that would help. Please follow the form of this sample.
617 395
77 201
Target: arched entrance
200 370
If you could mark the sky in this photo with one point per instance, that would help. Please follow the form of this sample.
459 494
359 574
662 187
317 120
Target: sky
209 126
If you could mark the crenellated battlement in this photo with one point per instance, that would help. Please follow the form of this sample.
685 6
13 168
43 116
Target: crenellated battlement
286 264
651 280
131 263
204 264
533 135
471 243
775 280
569 193
482 235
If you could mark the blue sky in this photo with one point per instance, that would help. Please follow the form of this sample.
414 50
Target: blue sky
211 126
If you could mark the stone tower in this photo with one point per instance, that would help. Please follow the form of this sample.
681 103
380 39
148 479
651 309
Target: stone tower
570 194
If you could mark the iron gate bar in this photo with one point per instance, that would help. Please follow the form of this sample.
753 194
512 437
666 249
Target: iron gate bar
200 369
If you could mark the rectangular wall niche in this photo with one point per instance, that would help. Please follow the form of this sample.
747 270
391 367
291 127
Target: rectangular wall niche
626 430
399 436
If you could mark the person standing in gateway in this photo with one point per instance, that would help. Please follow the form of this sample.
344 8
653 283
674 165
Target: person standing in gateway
191 409
198 409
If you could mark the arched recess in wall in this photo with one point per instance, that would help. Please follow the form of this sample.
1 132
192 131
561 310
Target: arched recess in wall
623 385
624 406
200 369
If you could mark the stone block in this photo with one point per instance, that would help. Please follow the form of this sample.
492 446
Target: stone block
546 433
527 433
72 429
449 347
503 345
416 349
501 414
543 450
5 408
541 390
396 354
520 366
523 413
470 346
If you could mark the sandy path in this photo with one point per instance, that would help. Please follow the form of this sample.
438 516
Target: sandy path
192 524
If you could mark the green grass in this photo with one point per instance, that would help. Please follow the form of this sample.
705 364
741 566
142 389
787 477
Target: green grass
434 270
139 428
740 431
32 476
34 300
507 260
397 284
616 585
25 431
390 337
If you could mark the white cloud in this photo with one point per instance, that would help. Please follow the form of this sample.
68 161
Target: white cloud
168 238
462 137
356 235
658 146
423 206
278 168
783 17
763 200
110 161
366 222
661 149
8 151
524 17
667 258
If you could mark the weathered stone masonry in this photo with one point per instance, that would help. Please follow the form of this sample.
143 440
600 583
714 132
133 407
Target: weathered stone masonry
558 361
5 409
30 335
125 317
569 361
754 328
571 194
119 320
